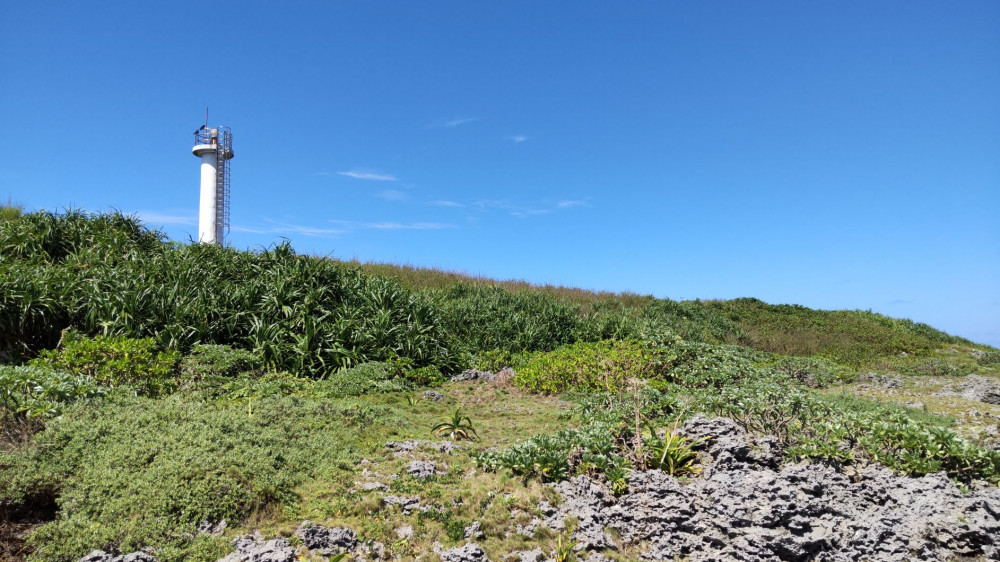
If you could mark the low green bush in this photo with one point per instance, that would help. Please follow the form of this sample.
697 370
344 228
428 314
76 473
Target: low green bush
28 392
114 362
815 372
847 428
605 365
208 360
989 358
699 365
366 378
138 472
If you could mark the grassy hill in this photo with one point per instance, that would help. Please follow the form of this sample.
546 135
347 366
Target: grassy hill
148 387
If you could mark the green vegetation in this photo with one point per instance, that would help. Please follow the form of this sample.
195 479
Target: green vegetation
604 365
147 387
458 427
113 362
35 392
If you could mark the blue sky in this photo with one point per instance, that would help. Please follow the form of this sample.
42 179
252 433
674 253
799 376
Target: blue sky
830 154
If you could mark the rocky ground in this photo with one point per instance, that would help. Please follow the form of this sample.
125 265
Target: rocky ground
744 506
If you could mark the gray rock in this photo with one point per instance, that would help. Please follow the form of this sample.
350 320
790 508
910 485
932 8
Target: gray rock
404 532
431 395
887 380
471 375
251 548
421 469
981 389
327 540
474 531
746 507
214 529
504 374
368 486
101 556
97 556
447 447
407 504
468 553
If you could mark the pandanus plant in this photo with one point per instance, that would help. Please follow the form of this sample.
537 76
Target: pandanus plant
458 427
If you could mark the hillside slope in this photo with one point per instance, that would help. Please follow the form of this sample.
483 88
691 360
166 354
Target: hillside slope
142 407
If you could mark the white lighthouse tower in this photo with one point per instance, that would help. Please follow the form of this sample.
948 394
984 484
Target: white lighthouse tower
215 148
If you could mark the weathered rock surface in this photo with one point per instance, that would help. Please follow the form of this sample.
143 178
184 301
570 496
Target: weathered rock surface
421 469
473 375
252 548
981 389
486 376
474 530
101 556
744 507
327 540
407 503
401 448
471 552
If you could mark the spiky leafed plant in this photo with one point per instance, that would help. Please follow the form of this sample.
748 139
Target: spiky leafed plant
673 453
458 427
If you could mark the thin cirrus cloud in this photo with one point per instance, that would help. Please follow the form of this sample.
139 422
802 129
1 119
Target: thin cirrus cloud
516 138
390 225
444 203
453 122
338 228
276 227
523 211
370 176
392 195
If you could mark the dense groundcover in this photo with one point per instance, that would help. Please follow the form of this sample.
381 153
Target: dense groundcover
108 274
148 388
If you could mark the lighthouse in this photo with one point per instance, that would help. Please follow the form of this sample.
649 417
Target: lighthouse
214 145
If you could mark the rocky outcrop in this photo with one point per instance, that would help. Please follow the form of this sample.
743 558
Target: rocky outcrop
471 552
326 540
253 548
101 556
980 389
745 508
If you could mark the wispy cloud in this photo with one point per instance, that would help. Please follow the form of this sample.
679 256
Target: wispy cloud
516 138
445 203
337 228
566 204
453 122
288 228
392 195
389 225
514 209
899 301
363 175
159 218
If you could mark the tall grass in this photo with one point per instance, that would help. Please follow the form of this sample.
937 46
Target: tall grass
107 274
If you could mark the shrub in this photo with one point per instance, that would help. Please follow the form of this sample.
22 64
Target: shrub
491 317
815 372
424 376
114 361
605 365
140 472
366 378
35 392
841 428
207 360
